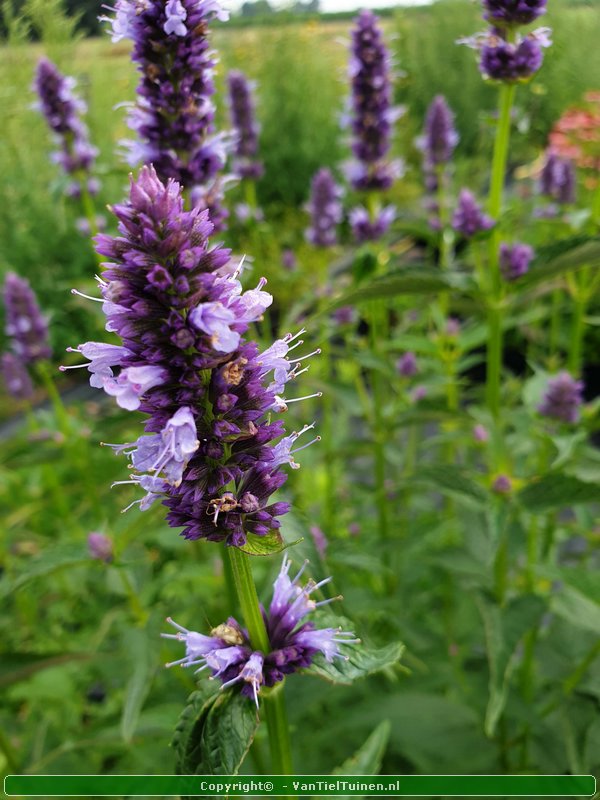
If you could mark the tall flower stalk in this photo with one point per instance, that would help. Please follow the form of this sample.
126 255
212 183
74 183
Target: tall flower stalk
174 115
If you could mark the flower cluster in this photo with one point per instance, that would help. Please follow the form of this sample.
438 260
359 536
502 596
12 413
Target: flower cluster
325 209
294 641
15 376
576 136
181 314
26 326
469 219
367 229
562 398
245 126
372 112
63 112
506 55
514 260
557 180
440 136
174 115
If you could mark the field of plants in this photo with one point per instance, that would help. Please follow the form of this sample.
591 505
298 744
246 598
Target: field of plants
301 391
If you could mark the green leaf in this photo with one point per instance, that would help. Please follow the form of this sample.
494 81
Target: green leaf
504 629
15 667
408 280
50 560
575 607
454 481
565 256
227 734
367 760
267 545
557 490
188 731
214 732
140 682
359 660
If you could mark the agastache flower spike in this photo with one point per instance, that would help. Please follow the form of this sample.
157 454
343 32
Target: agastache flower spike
325 209
373 115
246 128
562 399
16 378
557 180
63 111
469 219
509 61
513 12
440 137
174 115
294 641
211 452
26 326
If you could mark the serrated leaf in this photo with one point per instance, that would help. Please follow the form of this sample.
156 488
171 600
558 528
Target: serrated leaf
192 717
50 560
367 760
455 481
565 256
227 734
15 667
359 660
267 545
138 686
504 629
557 490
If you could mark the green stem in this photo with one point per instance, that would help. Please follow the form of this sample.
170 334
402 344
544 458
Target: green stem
505 101
136 608
578 330
60 411
274 704
555 320
379 432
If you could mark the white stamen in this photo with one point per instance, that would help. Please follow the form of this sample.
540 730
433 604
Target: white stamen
87 296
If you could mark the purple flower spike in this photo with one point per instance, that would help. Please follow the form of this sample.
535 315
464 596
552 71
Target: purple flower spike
325 209
508 13
174 116
562 399
26 326
16 378
100 547
63 111
294 641
243 117
373 115
469 218
502 484
515 260
557 180
407 365
513 61
211 452
440 136
365 229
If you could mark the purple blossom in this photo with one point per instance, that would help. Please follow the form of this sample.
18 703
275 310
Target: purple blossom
174 115
562 398
100 547
502 484
469 219
513 12
557 180
25 326
288 259
211 452
407 365
345 315
16 378
373 115
510 61
245 126
514 260
63 111
319 539
294 641
480 434
365 229
440 136
325 209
